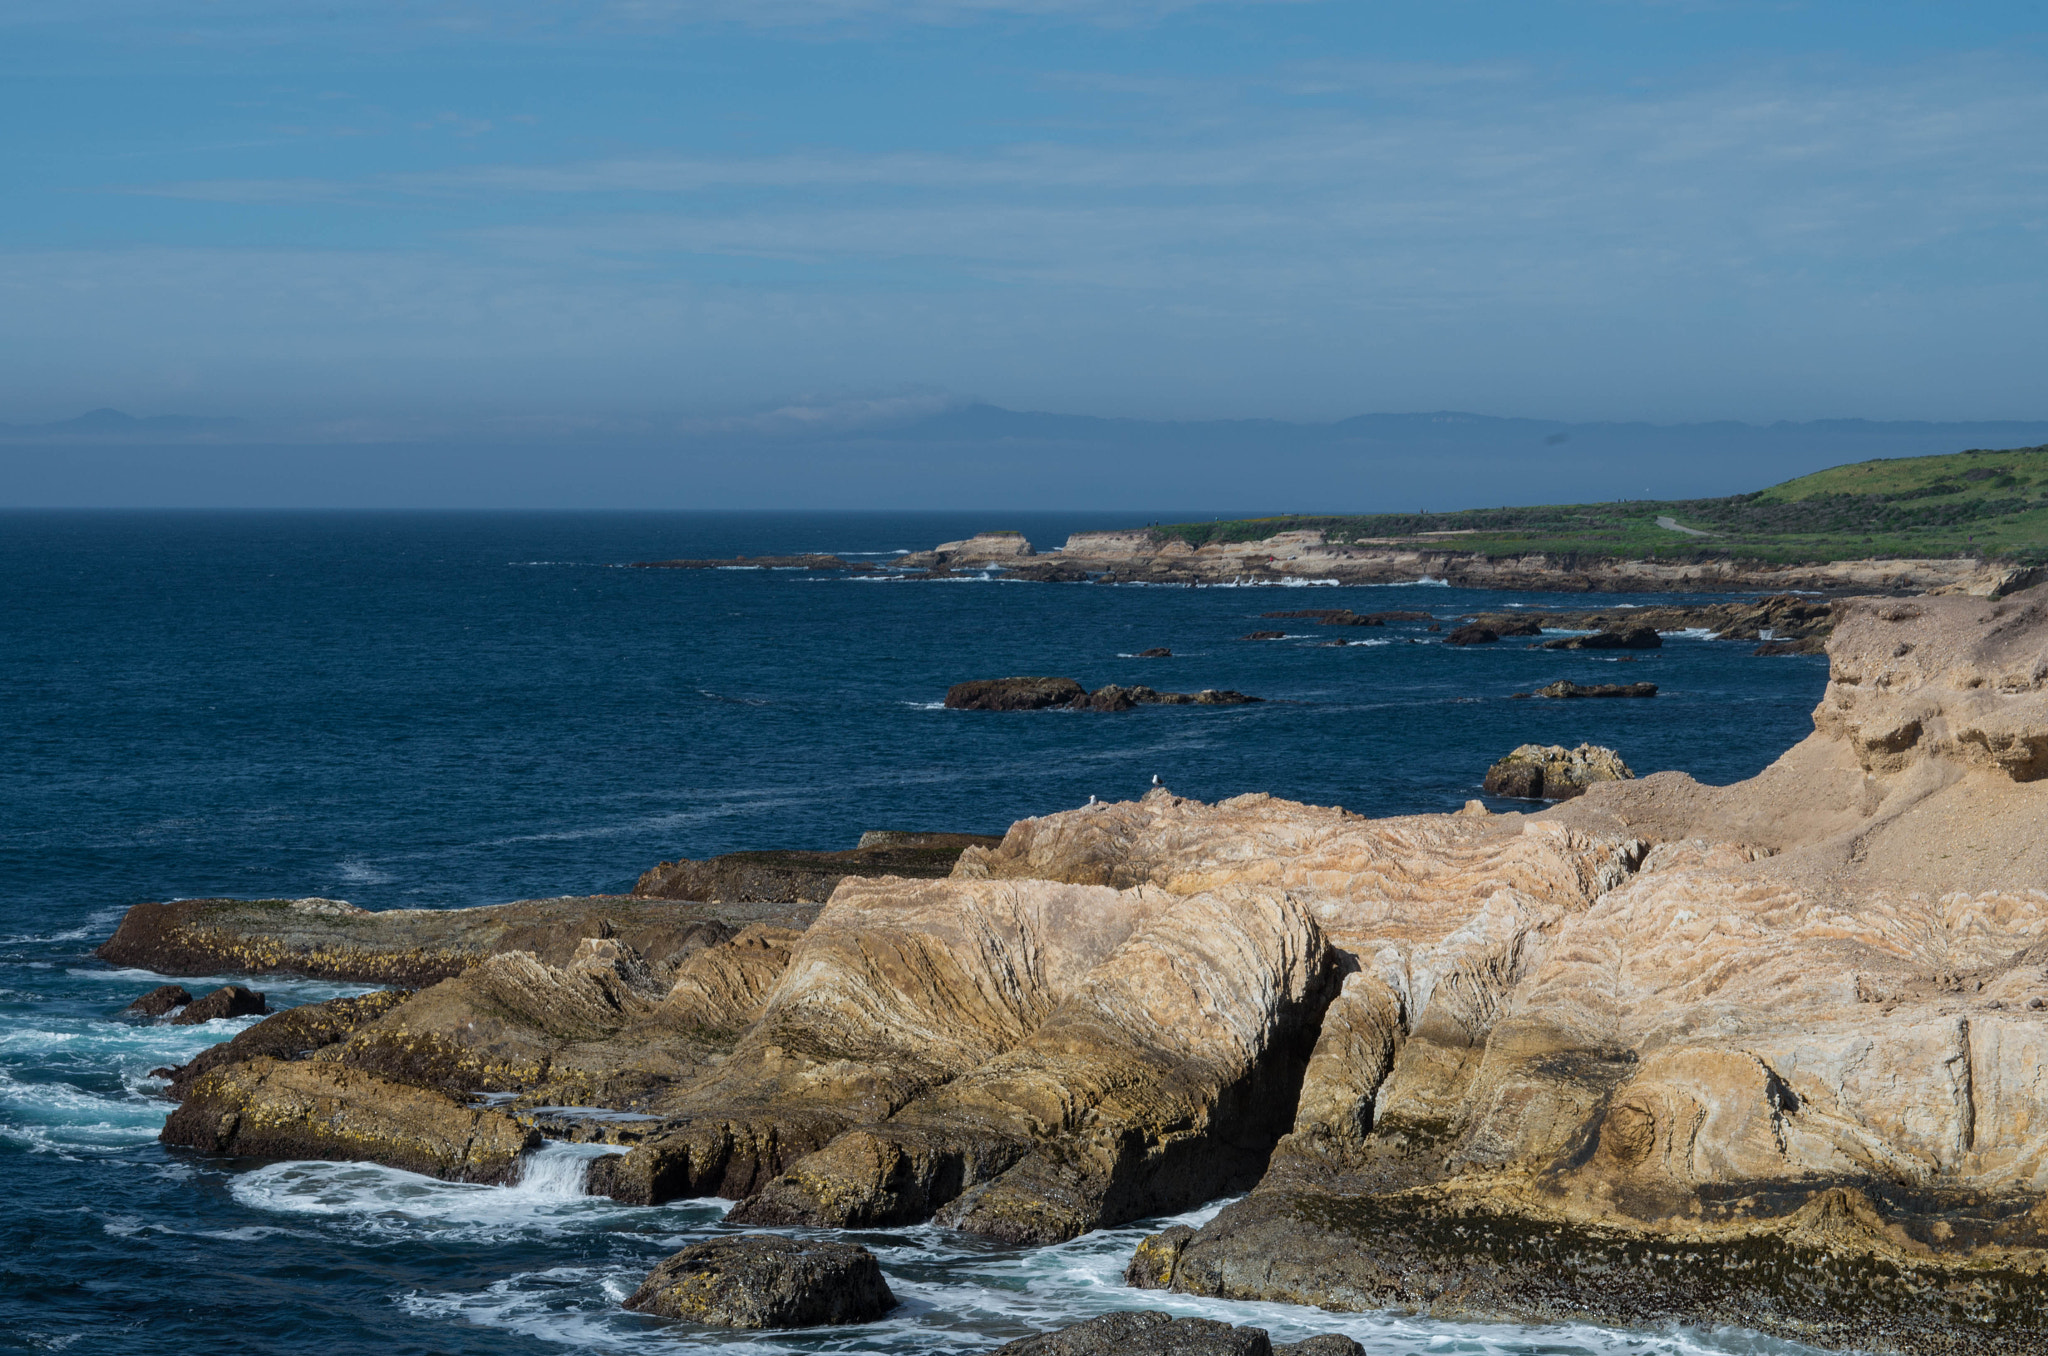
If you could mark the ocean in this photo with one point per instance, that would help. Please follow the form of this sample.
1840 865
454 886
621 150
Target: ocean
442 710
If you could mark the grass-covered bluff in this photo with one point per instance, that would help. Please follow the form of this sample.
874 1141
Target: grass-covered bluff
1989 504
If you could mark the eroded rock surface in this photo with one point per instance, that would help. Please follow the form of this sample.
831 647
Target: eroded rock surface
806 877
1553 772
1784 1075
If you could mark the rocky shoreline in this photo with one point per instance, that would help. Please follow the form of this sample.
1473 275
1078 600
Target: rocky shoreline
1764 1054
1141 556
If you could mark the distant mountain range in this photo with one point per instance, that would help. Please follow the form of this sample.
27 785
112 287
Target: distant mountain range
931 456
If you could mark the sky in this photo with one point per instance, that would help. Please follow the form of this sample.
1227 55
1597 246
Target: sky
393 219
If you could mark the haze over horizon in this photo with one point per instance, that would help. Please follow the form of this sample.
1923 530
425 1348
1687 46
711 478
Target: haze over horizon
606 252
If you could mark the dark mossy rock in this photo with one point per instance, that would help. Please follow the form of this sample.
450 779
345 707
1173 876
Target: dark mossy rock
1012 694
230 1000
1568 689
1472 635
159 1001
767 1281
1151 1266
1144 1332
1322 1344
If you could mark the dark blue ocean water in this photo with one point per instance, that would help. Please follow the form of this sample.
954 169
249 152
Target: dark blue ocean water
445 710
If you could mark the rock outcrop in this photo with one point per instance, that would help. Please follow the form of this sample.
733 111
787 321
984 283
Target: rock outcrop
412 948
1553 772
159 1001
1039 694
1633 638
767 1281
314 1108
1566 689
291 1034
1782 1076
1147 1332
793 877
230 1000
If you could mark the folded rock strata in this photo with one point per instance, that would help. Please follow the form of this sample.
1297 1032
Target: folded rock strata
1785 1076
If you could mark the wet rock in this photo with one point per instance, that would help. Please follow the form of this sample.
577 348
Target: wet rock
1322 1344
1553 772
1151 1266
1144 1332
1633 638
1264 635
1013 694
1156 652
767 1281
1472 635
230 1000
1565 688
313 1108
159 1001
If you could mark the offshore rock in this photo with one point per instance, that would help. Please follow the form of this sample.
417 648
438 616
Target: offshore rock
1013 694
1553 772
1634 638
1146 1332
1781 1074
269 1108
1567 689
1472 635
158 1001
806 877
411 948
1038 694
767 1281
231 1000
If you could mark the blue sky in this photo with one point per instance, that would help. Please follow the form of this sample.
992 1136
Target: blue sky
378 215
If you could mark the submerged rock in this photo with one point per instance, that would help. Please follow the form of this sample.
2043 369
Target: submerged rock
767 1281
1553 772
231 1000
1156 652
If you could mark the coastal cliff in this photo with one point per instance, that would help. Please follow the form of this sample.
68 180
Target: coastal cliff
1765 1054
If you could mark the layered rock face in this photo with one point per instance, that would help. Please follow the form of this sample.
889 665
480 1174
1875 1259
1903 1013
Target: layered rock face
805 877
1785 1076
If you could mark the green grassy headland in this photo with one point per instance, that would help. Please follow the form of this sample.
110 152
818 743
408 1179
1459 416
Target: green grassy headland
1990 504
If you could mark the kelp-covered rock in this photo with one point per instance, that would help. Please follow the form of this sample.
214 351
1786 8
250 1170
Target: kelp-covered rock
767 1281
